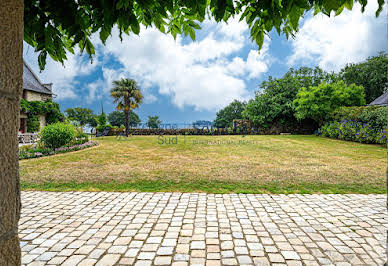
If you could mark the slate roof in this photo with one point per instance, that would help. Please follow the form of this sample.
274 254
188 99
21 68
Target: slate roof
381 101
31 82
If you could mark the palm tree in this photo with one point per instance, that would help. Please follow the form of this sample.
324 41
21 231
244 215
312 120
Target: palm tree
127 96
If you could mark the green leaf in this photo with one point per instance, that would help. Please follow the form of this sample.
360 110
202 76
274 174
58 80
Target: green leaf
339 11
381 4
294 17
302 3
42 59
331 5
268 25
260 39
104 34
192 34
135 27
349 4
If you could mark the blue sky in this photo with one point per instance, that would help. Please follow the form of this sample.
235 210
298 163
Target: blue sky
184 81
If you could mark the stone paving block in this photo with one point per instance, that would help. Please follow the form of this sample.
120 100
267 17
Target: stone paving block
108 228
87 262
73 260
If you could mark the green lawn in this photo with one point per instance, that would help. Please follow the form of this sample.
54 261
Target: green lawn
214 164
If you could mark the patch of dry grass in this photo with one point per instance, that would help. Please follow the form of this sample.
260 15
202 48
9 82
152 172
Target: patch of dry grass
262 160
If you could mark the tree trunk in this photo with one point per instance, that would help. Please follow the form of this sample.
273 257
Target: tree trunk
126 122
11 73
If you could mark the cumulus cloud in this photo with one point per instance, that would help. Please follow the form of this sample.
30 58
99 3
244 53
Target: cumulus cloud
206 74
331 42
64 76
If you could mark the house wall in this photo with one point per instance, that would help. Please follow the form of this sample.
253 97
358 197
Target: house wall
36 96
42 121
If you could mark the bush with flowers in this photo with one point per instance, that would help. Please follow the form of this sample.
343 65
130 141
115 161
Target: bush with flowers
57 138
352 130
36 151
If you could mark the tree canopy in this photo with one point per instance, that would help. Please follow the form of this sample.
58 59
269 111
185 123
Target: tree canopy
153 121
226 115
80 115
371 74
117 118
55 27
273 104
318 102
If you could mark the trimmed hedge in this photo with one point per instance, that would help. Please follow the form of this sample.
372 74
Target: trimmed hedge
184 131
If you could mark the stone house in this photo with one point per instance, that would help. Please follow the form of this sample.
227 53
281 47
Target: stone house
33 90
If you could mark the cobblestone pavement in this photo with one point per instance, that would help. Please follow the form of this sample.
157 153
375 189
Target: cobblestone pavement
105 228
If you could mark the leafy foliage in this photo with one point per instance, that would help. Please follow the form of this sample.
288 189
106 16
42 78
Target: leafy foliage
101 119
55 27
153 121
57 135
354 131
225 116
374 116
34 109
101 128
33 124
371 74
365 124
80 115
93 121
117 118
318 102
273 104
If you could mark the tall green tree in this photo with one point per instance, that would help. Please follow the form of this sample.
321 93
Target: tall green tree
153 122
273 103
318 102
117 118
225 117
101 119
127 96
80 115
371 74
93 122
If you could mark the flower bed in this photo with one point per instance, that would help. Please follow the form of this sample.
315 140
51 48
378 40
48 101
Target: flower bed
28 152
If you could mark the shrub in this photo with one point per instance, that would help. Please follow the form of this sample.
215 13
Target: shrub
352 130
80 137
101 128
57 135
374 116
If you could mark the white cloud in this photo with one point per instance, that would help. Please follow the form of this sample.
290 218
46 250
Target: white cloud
62 76
206 74
332 42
